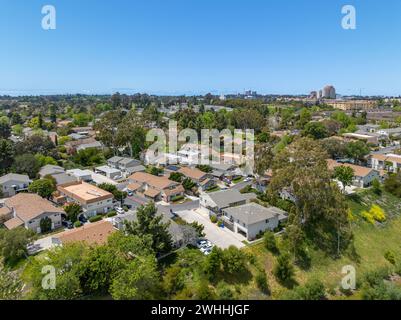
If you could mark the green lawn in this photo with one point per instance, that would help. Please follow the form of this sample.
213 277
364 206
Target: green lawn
237 180
213 189
370 243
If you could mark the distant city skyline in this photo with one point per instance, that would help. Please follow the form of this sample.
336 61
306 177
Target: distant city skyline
177 47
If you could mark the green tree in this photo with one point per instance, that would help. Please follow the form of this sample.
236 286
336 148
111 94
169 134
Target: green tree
118 195
13 244
261 282
393 184
376 187
357 150
45 224
234 260
213 263
305 117
81 119
139 281
107 129
5 129
345 175
283 270
42 187
320 210
88 157
188 184
6 155
67 261
149 222
26 164
270 242
176 176
98 268
72 210
315 130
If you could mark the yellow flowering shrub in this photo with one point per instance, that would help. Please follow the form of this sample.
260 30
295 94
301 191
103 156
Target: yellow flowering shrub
368 217
377 213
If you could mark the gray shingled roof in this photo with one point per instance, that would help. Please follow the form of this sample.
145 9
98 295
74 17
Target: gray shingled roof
50 169
14 177
224 198
253 213
63 178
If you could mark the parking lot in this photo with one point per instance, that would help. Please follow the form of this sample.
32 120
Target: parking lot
220 237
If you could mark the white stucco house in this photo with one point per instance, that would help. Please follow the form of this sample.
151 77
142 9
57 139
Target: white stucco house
13 183
252 219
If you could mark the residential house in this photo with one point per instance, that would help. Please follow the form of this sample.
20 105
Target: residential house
366 137
77 145
50 169
127 166
81 175
203 180
252 219
27 210
92 199
389 162
109 172
216 202
154 187
58 173
63 178
363 176
13 183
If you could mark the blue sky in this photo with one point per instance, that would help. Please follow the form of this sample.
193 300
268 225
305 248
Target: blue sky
197 46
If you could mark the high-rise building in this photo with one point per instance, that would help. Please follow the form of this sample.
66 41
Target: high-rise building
329 92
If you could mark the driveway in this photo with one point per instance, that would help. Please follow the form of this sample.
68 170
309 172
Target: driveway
241 185
221 237
190 205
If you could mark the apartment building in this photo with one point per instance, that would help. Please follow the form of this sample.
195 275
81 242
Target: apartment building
92 199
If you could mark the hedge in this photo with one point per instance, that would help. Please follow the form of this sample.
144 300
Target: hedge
111 214
77 224
95 218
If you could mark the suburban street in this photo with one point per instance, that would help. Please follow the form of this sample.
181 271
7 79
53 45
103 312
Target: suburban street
179 207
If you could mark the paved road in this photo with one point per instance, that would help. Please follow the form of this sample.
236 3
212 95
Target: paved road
180 207
221 237
241 185
386 150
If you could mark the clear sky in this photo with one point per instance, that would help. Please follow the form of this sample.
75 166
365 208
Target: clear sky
200 46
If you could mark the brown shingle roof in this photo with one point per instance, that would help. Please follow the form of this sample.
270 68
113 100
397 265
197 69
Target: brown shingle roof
133 186
91 233
13 223
4 211
150 179
178 189
358 170
152 193
192 173
28 206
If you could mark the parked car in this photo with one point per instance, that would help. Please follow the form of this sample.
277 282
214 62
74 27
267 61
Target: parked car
130 193
67 224
82 219
119 210
201 243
